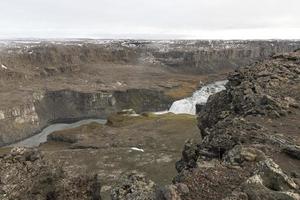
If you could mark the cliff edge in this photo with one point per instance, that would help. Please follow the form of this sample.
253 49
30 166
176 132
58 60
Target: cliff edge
250 145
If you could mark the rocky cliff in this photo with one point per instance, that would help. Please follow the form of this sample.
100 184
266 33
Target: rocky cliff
50 58
66 106
250 146
250 138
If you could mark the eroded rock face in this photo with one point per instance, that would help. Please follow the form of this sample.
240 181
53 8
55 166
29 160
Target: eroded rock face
50 107
194 56
268 89
25 174
242 143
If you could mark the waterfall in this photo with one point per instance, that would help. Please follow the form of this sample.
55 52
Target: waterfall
188 105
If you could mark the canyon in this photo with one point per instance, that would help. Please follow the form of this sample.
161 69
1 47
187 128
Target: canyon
127 85
65 81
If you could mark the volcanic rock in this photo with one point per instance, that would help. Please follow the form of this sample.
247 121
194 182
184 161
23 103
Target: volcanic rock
245 128
25 174
134 186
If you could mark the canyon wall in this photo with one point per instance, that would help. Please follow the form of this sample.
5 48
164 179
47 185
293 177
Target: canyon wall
72 86
212 56
66 106
201 57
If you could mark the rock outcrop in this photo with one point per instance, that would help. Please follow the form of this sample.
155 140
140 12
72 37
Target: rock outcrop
249 136
25 174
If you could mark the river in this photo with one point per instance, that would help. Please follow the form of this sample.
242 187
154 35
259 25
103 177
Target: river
183 106
41 137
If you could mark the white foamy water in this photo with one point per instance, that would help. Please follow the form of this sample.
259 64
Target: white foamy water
188 105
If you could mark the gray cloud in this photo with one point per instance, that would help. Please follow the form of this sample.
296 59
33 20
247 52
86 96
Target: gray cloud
202 18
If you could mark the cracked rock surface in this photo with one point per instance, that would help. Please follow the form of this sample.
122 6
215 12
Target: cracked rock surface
250 137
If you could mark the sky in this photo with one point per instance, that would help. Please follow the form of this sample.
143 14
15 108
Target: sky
150 19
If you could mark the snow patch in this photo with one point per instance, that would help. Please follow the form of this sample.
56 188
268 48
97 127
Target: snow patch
3 66
137 149
161 112
119 83
2 115
134 115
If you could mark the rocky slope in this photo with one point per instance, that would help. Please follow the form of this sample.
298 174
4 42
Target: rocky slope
25 174
58 81
251 142
148 143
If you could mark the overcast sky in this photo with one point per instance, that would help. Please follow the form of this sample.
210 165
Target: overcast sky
202 19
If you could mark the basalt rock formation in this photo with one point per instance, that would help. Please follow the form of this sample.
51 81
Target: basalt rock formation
250 137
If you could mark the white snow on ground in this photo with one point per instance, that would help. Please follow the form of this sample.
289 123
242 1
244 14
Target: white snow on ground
137 149
134 115
188 105
3 66
161 112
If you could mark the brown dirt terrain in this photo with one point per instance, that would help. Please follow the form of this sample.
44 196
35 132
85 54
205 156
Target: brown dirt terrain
106 149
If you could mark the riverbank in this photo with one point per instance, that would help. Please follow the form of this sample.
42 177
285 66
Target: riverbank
41 137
